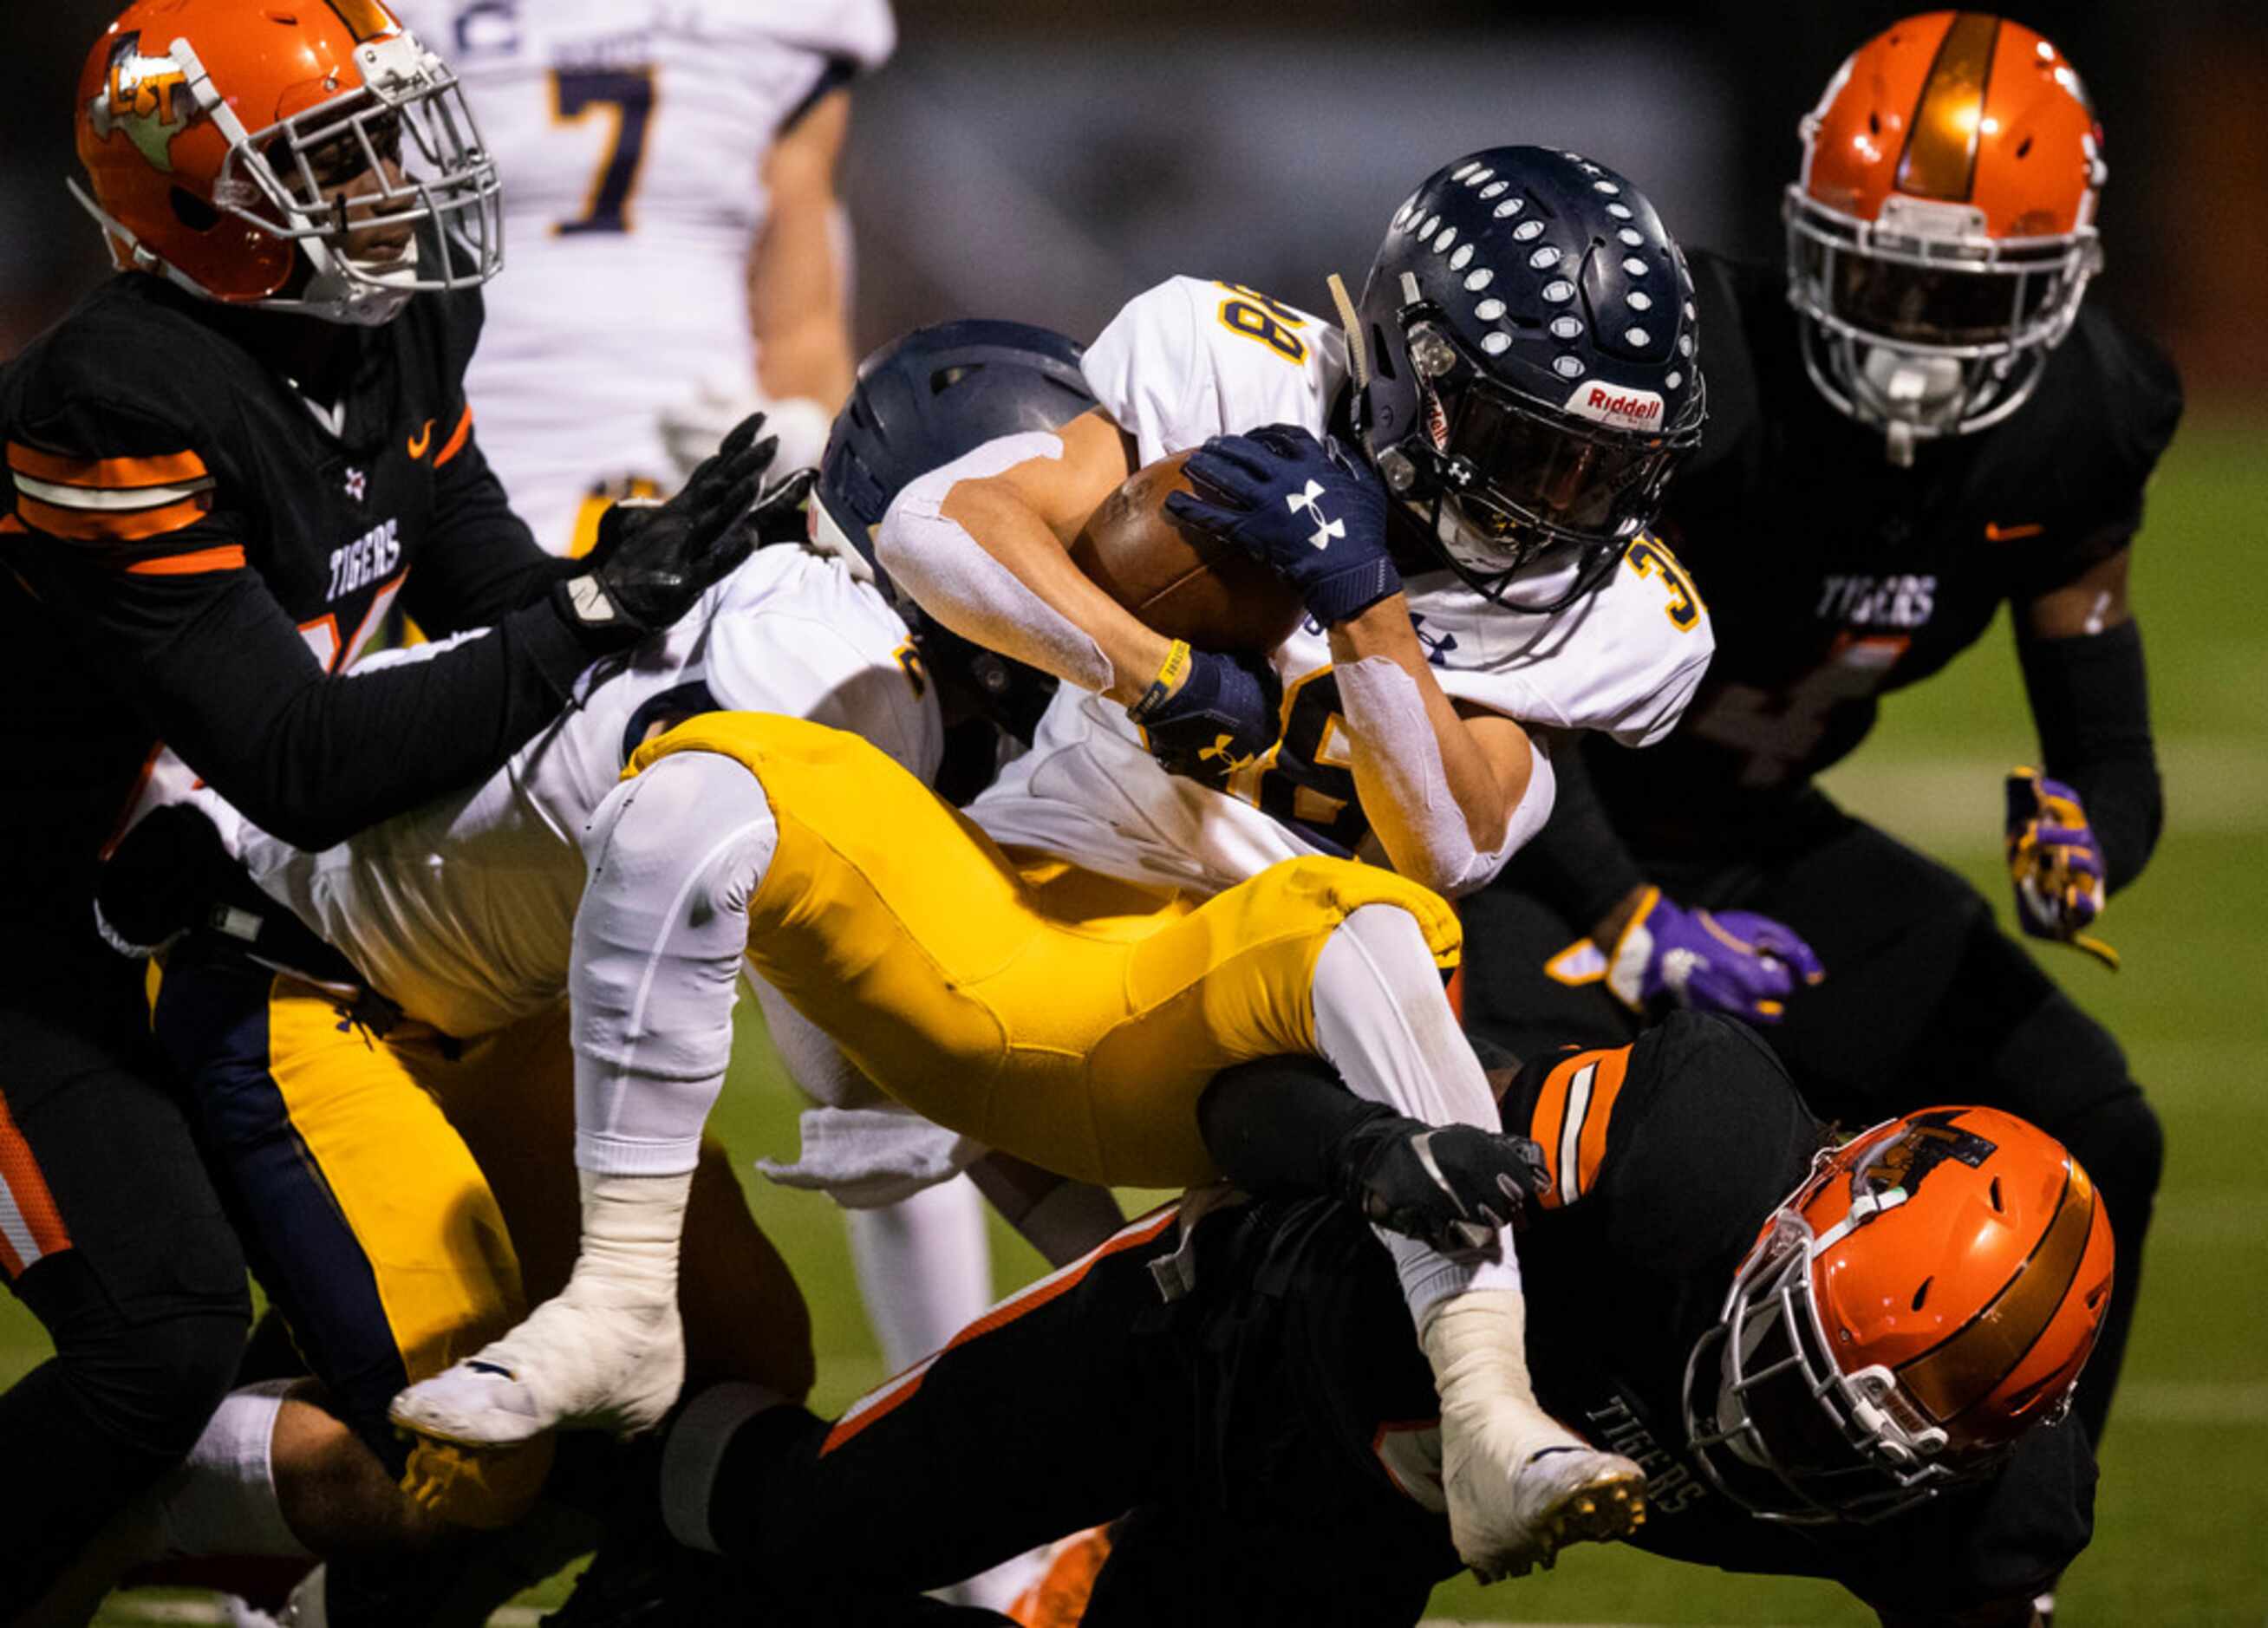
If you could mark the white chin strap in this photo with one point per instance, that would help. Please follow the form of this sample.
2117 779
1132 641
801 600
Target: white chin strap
1911 392
359 293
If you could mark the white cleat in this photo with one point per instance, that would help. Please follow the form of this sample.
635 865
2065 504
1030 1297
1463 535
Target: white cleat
570 1365
1507 1516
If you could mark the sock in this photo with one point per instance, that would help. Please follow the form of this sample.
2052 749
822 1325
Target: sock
632 1226
1384 1022
222 1500
925 1268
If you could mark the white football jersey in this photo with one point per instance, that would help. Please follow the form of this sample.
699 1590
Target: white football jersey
462 911
1189 360
630 136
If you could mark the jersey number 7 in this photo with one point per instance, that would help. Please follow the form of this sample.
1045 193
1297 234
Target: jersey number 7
628 93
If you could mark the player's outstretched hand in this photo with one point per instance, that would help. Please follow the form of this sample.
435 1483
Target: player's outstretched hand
652 560
2056 864
1208 715
1304 508
1733 961
1455 1187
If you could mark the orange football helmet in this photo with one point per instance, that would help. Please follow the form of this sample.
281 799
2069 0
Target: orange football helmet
1942 231
249 153
1926 1296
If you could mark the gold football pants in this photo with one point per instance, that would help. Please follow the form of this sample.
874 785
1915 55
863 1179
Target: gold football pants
1064 1017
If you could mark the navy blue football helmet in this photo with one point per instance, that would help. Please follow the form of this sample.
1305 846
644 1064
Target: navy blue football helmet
1533 375
922 401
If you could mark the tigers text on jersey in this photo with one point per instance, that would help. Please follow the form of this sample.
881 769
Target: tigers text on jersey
1189 360
462 911
630 136
192 549
1837 577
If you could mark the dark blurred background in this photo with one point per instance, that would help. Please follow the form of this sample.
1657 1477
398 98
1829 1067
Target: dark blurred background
1045 160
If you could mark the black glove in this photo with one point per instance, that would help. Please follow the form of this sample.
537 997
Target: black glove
1454 1187
1209 715
652 560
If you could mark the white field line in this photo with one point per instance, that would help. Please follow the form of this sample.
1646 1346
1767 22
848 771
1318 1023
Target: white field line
2214 785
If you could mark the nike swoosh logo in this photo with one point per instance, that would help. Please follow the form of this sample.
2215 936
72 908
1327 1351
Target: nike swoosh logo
2009 534
424 439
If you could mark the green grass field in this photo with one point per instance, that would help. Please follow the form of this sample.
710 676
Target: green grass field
2183 1506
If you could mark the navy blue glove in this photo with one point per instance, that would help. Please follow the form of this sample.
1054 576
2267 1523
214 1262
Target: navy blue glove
1301 507
1209 715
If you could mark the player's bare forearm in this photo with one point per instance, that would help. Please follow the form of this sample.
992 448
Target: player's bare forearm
795 282
1487 759
1026 516
2093 602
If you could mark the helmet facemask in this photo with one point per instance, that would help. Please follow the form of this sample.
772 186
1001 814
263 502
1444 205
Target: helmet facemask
1777 1426
1502 482
398 157
1921 323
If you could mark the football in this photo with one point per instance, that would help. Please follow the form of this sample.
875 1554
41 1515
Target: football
1177 579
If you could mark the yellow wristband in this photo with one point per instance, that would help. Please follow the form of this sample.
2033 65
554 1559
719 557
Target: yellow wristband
1170 674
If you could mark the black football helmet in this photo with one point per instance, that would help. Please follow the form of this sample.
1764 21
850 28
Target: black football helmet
1530 374
921 402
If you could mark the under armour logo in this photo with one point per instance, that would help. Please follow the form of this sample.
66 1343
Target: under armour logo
355 484
1327 532
1438 645
1224 750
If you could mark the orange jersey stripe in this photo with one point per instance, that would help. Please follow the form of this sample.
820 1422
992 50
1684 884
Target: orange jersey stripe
226 556
1544 1124
895 1393
30 1224
1606 1085
169 470
458 437
1571 1119
111 525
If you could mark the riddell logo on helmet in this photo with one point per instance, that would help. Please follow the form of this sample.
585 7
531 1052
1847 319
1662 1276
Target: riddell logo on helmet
147 98
1610 404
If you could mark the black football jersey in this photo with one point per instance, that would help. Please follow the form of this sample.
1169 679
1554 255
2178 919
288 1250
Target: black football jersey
1666 1157
1833 577
194 549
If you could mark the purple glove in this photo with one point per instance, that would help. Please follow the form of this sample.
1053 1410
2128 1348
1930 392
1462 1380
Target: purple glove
1733 962
1300 506
2056 864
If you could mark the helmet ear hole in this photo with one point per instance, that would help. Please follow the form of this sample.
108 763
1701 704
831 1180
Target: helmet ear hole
192 210
1381 354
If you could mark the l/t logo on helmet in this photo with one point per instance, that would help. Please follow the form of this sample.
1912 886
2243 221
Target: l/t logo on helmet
1326 531
140 98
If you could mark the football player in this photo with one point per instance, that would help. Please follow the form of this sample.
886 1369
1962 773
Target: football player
1065 999
1838 1362
674 230
395 1234
225 466
1939 427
